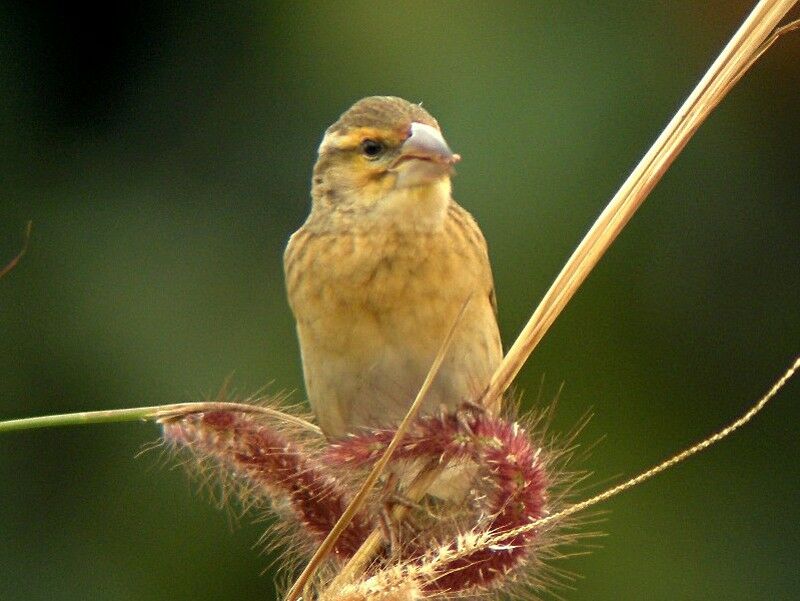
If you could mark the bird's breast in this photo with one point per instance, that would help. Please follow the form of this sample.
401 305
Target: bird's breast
392 282
374 308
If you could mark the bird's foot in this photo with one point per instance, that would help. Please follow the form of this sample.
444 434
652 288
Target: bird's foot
466 416
398 528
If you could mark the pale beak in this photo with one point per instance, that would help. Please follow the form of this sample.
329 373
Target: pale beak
424 157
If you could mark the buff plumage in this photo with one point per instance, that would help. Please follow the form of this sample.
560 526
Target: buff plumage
382 267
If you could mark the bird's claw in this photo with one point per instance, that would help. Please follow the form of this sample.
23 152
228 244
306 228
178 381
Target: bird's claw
466 416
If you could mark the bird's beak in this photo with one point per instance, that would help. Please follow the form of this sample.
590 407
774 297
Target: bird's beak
424 157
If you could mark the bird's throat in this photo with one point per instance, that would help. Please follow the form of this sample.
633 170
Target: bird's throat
416 208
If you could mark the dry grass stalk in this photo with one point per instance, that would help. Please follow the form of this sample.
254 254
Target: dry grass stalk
155 412
370 546
753 38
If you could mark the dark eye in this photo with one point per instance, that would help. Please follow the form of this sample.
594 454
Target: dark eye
371 148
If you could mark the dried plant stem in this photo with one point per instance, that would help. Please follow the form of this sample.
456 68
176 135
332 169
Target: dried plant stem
26 237
368 549
364 556
749 42
661 467
147 414
780 31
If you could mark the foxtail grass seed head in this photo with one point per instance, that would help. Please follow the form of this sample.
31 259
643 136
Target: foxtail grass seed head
446 556
512 484
396 585
268 466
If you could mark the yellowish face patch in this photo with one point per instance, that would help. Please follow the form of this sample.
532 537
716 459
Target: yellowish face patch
352 139
374 181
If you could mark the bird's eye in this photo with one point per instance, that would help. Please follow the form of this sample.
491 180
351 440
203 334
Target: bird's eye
371 148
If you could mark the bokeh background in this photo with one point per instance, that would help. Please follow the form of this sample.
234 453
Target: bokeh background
163 152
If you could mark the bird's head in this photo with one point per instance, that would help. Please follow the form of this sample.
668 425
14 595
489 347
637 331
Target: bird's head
383 153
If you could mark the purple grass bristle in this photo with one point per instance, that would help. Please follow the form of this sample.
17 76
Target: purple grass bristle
516 484
280 468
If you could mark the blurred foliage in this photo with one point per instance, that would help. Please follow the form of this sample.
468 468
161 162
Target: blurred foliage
163 152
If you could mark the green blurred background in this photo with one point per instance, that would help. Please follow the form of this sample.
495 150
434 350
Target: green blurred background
164 154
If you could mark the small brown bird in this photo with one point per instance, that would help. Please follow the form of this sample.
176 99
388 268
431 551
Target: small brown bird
380 270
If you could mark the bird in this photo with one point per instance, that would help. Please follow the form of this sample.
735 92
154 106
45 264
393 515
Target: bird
380 270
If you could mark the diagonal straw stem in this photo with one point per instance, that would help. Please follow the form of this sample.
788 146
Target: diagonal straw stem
661 467
368 548
744 47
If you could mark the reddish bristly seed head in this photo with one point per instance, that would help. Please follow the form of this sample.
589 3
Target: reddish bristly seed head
519 497
515 483
513 487
273 465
